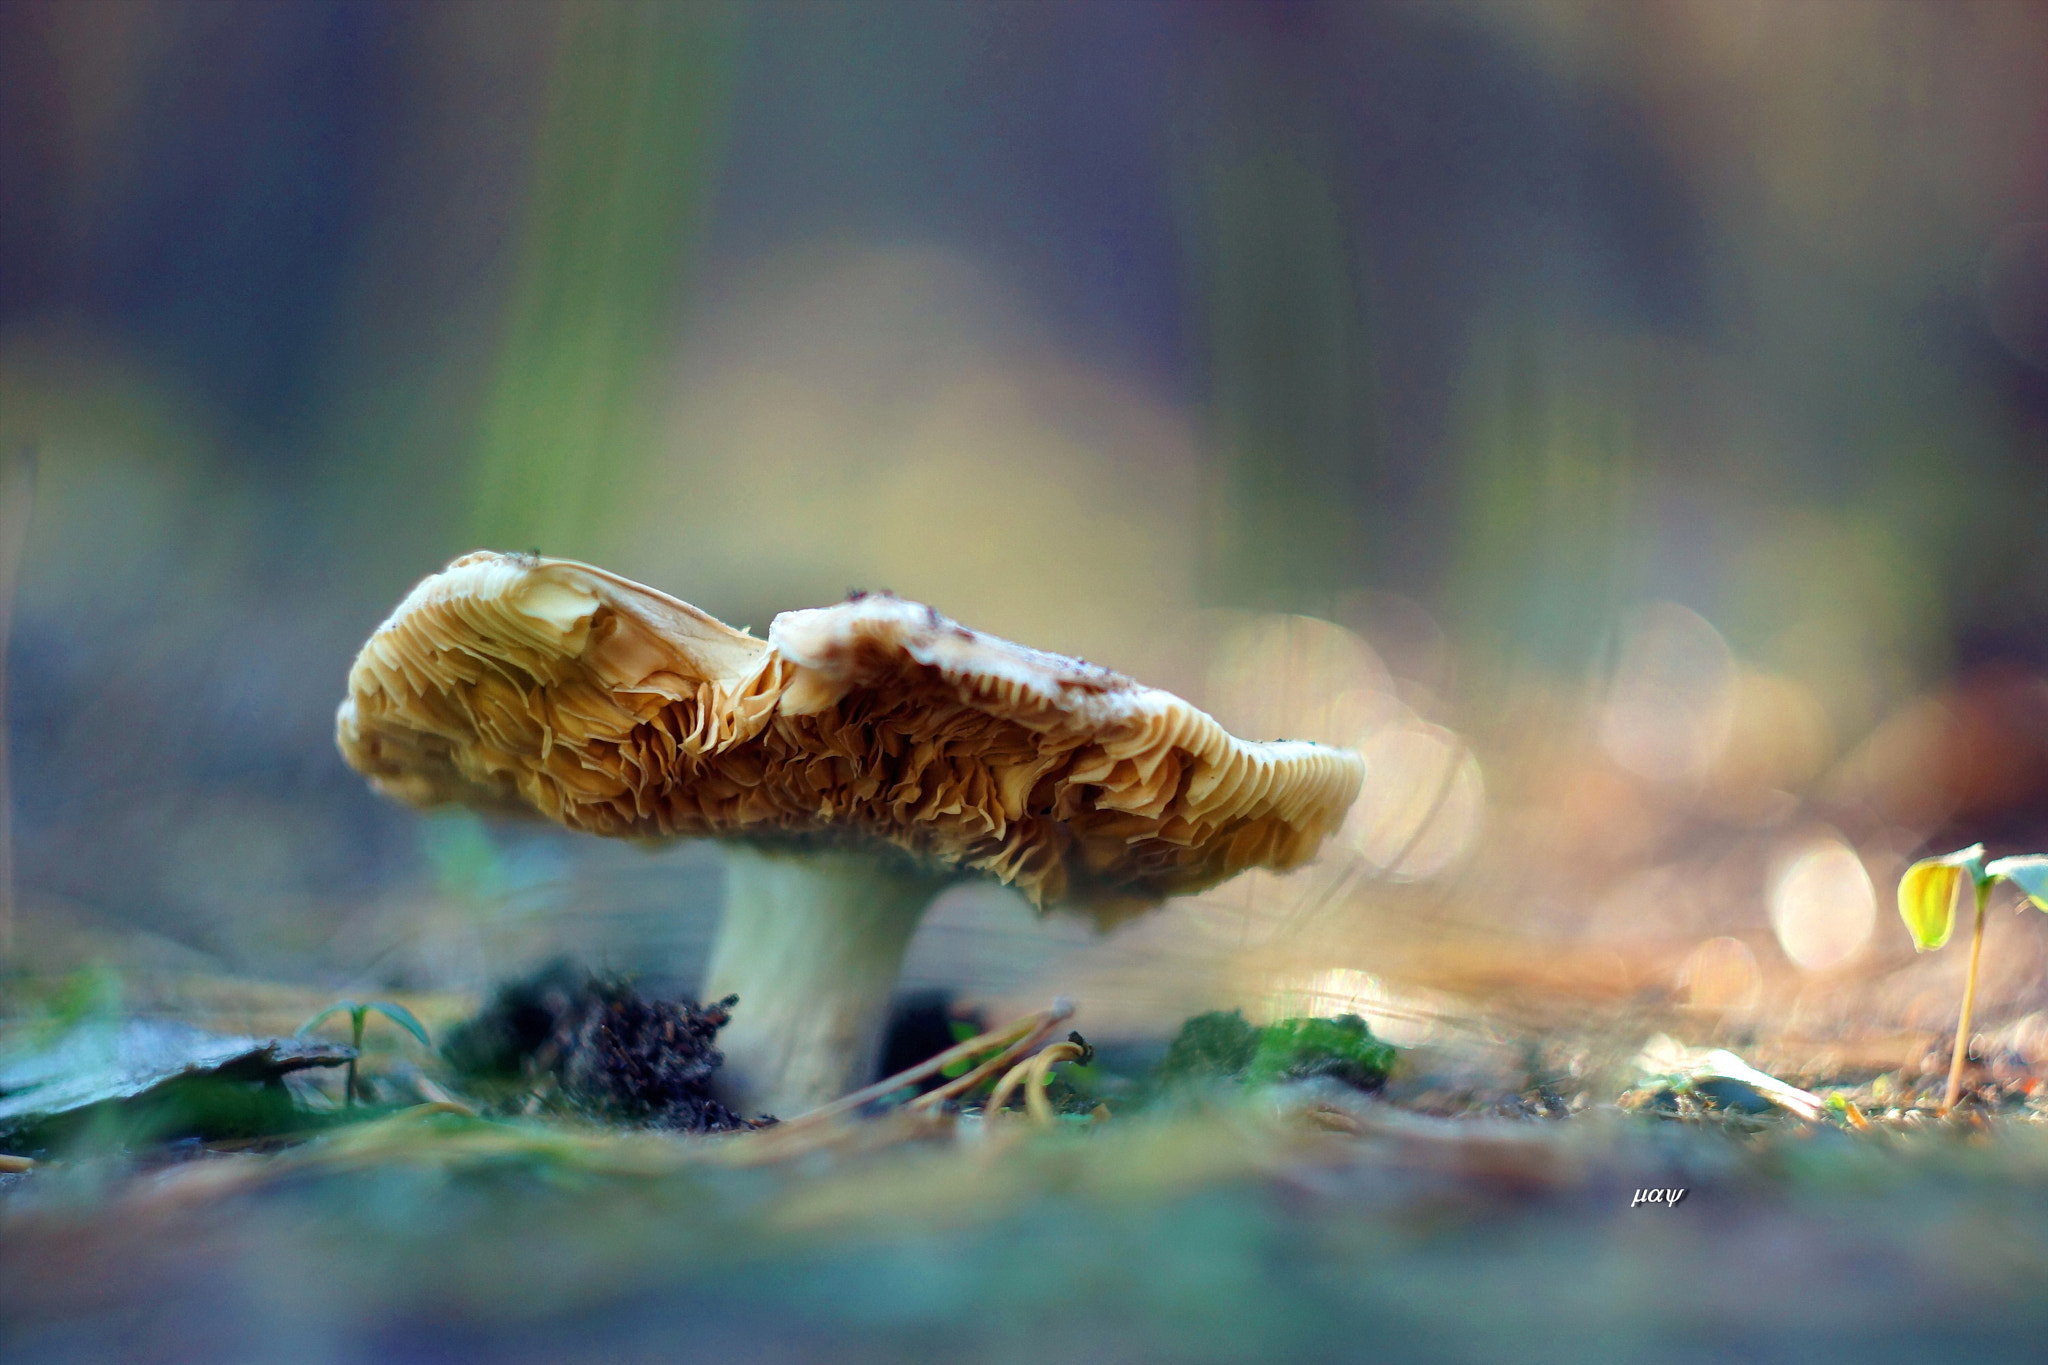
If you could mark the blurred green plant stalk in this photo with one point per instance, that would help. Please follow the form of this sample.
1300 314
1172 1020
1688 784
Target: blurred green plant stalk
1293 414
635 110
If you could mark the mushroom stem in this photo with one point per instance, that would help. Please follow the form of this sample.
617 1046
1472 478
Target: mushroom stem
812 943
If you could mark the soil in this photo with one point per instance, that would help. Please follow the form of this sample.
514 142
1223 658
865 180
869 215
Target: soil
614 1052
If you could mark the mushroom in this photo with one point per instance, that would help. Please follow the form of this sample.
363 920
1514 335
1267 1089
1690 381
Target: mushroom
857 761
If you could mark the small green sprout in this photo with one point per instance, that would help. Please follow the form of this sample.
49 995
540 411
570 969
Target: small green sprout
962 1030
1927 902
358 1016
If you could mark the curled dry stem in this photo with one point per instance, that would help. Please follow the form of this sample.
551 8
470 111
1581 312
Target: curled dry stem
1033 1076
435 1094
1036 1102
1005 1088
1019 1034
447 1106
995 1065
770 1145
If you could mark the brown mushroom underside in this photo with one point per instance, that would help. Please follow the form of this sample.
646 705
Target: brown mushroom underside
545 685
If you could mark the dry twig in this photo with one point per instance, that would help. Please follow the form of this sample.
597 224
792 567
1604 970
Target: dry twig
1021 1034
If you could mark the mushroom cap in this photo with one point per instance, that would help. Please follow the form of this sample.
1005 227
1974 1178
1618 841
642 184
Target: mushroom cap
512 682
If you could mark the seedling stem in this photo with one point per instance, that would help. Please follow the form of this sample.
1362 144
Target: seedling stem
358 1016
1955 1066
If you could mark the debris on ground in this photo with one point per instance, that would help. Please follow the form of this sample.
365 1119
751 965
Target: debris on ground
612 1051
1686 1081
144 1079
922 1024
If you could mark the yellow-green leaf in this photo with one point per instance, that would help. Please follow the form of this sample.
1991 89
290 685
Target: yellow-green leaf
1927 895
2027 871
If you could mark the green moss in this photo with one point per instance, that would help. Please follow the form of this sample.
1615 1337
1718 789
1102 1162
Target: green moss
1342 1049
1214 1046
1223 1046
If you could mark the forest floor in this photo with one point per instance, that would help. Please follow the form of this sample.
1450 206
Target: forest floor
1492 1201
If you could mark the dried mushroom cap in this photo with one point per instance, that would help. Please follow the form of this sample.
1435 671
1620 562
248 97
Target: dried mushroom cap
515 681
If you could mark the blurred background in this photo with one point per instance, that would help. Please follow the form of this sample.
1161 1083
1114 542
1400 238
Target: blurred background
1625 420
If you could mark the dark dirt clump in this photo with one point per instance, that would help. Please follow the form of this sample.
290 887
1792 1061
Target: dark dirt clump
648 1059
611 1050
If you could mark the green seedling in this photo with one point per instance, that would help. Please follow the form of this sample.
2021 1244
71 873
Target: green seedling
962 1030
1927 902
358 1016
